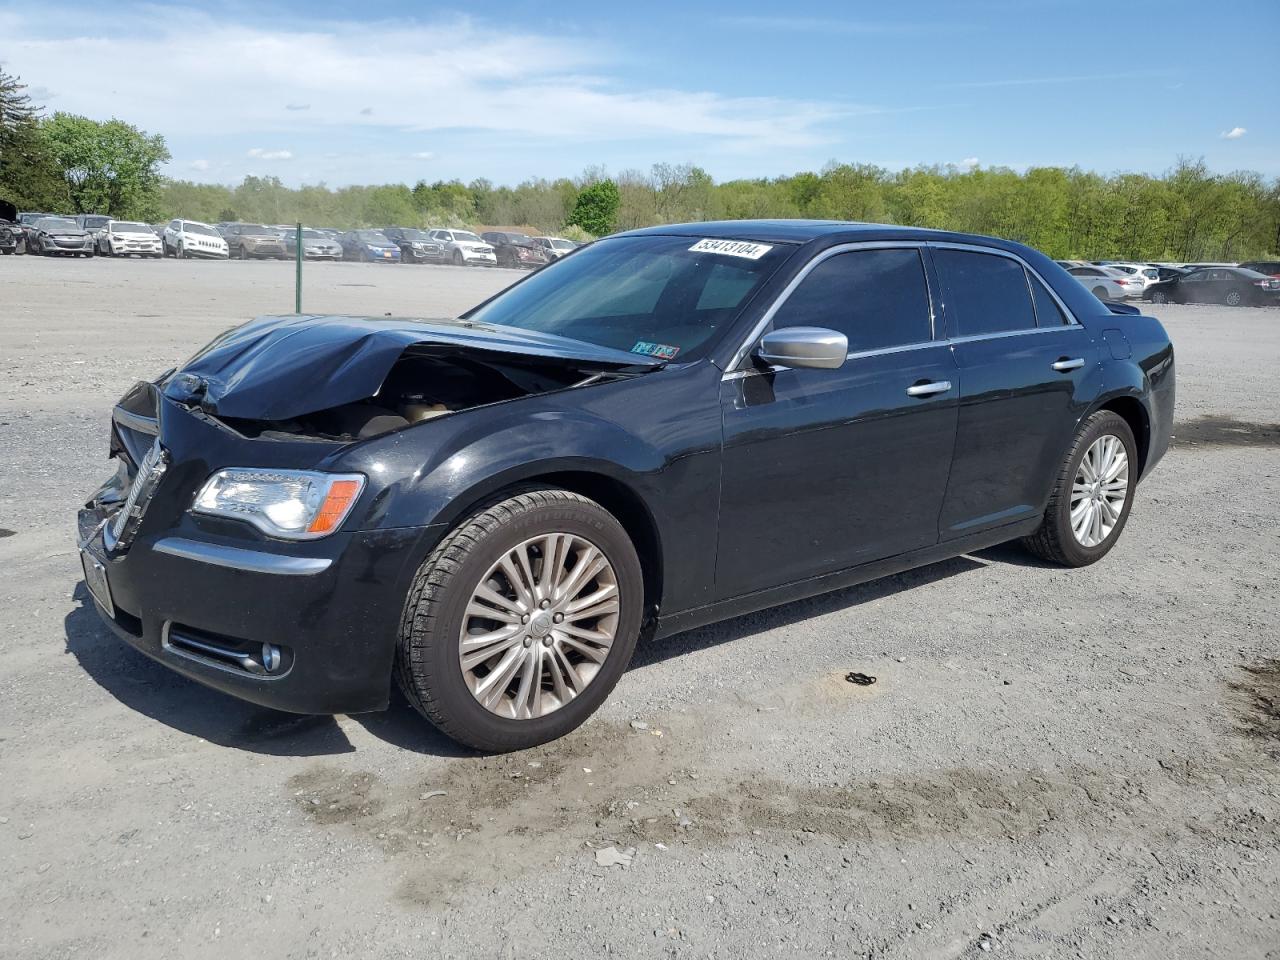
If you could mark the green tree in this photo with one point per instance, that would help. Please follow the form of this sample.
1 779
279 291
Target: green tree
110 167
29 175
596 209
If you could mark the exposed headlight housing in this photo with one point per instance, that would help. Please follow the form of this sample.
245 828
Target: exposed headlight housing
289 504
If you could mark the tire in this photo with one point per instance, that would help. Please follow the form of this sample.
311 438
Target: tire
1234 298
1160 297
1056 540
1101 293
244 254
458 259
428 661
180 252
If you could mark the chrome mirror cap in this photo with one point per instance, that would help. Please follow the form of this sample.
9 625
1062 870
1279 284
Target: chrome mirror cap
812 347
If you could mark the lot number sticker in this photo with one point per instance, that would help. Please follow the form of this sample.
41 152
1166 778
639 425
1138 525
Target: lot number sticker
732 248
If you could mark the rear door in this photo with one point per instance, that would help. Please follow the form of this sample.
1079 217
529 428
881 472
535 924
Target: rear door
827 469
1025 376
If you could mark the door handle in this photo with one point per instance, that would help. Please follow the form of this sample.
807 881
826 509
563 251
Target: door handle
928 389
1066 366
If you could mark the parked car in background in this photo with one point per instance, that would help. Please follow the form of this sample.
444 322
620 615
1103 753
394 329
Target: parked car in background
1143 272
1270 267
415 245
126 238
59 236
93 224
10 231
191 238
315 245
26 221
653 436
369 246
1167 273
556 247
1204 266
253 241
516 249
464 248
1233 286
1106 284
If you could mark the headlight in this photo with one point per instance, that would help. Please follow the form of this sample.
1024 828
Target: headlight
291 504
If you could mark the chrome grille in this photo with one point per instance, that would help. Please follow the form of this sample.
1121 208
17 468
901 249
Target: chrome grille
120 531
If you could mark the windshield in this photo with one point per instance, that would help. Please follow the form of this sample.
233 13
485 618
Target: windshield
649 295
562 244
125 226
374 236
201 229
258 230
57 223
414 235
464 235
309 235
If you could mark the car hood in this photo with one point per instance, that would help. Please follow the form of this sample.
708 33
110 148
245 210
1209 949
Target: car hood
279 368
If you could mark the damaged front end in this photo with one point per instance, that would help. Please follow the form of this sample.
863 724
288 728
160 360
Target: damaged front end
352 378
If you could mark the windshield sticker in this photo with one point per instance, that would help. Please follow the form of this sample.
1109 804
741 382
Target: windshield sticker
732 248
660 350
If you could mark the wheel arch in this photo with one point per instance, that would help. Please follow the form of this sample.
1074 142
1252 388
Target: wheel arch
613 493
1132 410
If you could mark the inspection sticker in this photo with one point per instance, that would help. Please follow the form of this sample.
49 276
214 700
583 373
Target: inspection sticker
732 248
660 350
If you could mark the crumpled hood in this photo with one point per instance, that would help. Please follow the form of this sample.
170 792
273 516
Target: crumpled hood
278 368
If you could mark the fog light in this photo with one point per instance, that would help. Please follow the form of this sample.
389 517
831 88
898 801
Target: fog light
270 657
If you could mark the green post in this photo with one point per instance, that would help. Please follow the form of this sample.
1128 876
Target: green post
297 286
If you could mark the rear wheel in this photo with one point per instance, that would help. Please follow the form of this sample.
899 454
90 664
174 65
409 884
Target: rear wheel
521 621
1233 298
1101 293
1159 297
1092 494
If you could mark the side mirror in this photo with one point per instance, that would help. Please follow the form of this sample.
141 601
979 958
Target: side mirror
806 347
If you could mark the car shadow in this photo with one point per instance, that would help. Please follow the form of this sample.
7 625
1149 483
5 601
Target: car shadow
156 692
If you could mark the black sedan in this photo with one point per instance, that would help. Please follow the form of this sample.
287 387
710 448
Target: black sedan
1233 286
416 246
516 249
59 236
670 427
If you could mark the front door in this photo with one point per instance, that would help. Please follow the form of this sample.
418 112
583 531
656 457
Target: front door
827 469
1027 373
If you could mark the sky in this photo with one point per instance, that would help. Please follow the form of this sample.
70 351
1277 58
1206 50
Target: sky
344 92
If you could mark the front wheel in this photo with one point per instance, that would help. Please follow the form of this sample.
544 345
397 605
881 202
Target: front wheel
458 260
1092 494
521 621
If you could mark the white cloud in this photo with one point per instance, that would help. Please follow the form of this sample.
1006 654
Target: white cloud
968 163
199 164
475 75
297 106
260 154
424 155
1235 133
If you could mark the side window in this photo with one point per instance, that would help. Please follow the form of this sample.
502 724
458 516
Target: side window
1048 313
876 298
985 293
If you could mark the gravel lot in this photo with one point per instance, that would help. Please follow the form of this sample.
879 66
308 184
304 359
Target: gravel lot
1053 763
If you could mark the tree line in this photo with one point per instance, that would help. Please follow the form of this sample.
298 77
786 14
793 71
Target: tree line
70 164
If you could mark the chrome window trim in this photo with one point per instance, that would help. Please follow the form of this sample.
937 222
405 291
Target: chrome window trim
763 323
1001 334
1010 255
237 558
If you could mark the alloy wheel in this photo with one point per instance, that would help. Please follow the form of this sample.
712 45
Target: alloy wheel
1099 491
1233 298
539 626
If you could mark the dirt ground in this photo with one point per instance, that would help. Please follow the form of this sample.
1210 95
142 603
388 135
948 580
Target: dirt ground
1052 763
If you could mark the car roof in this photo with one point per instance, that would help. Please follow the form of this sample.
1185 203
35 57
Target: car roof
803 231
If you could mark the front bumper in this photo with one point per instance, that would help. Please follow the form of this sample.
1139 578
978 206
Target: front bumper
202 595
475 256
205 608
121 248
